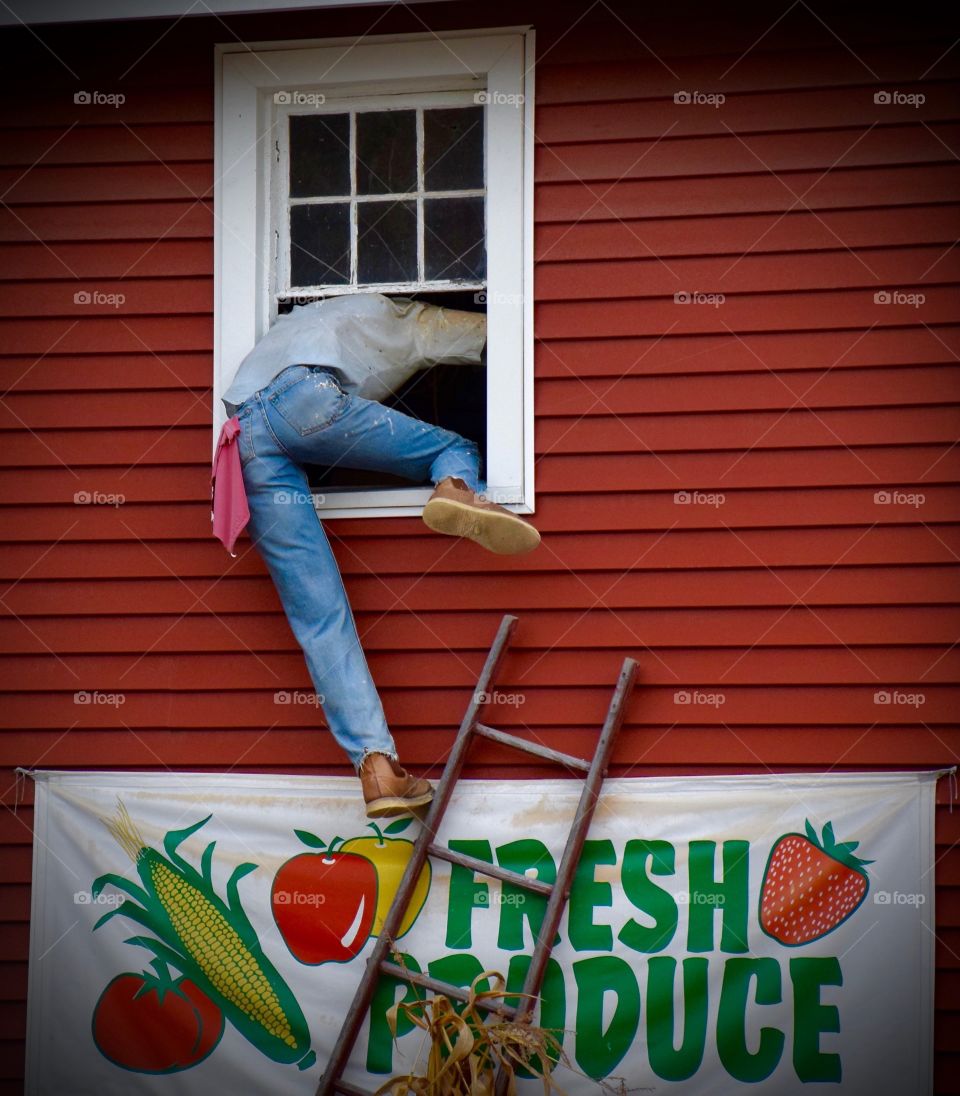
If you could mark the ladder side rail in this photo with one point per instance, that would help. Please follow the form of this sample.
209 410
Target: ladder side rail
438 805
533 982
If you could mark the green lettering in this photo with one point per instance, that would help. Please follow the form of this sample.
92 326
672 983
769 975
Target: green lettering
810 1018
586 893
380 1041
459 969
731 1020
517 903
467 893
646 896
709 895
552 1007
599 1051
665 1060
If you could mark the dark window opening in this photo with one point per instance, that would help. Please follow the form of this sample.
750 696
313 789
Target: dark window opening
451 396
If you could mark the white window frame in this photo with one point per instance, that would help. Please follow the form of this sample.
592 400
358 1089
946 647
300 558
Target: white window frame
498 62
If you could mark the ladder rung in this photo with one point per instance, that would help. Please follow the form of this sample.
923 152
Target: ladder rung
445 988
533 748
484 867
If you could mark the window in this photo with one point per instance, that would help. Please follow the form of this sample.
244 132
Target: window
399 165
389 196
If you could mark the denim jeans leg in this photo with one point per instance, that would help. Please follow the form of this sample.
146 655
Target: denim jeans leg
318 423
289 536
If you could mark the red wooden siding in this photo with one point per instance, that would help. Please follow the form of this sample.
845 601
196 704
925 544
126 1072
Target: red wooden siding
797 398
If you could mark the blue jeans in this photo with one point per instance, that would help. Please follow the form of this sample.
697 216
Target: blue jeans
304 417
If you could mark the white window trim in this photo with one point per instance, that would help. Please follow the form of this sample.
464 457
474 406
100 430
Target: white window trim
499 62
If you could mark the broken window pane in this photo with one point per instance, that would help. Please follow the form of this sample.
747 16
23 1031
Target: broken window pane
319 155
386 242
453 239
386 151
320 244
453 148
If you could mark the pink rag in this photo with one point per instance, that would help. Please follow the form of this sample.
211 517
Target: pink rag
230 512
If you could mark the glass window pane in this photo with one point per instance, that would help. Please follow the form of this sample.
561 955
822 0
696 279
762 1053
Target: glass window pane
320 244
453 238
386 151
319 155
453 148
386 242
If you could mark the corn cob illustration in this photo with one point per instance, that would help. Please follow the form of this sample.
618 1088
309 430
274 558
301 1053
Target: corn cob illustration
209 940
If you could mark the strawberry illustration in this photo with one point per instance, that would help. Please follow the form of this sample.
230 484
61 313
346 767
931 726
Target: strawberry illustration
810 886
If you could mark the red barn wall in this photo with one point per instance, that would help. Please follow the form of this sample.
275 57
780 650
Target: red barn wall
797 398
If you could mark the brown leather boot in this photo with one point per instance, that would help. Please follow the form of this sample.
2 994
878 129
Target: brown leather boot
388 789
454 509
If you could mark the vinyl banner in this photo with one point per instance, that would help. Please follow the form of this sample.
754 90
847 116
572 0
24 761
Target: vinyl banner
203 934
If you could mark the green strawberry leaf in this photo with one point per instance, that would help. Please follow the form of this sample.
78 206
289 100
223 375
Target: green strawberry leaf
842 852
310 839
399 826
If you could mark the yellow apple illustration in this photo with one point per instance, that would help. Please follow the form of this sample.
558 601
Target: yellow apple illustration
390 856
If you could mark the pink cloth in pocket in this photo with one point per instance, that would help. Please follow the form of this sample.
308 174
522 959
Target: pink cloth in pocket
230 512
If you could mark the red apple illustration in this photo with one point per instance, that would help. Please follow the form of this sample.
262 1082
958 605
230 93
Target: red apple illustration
324 903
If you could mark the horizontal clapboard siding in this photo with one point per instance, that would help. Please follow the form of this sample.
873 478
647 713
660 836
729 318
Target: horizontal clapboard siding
793 398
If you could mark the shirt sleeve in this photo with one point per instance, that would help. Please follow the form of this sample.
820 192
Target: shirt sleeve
448 336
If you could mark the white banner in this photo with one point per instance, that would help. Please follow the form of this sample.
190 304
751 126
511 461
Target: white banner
201 934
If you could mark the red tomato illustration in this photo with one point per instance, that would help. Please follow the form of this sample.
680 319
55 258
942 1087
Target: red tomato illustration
152 1024
324 904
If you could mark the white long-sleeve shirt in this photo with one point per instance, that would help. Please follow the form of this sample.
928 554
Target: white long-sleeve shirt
374 342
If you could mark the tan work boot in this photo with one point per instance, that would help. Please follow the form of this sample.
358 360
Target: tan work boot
454 509
388 789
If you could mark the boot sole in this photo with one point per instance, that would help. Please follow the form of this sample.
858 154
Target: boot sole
389 805
505 534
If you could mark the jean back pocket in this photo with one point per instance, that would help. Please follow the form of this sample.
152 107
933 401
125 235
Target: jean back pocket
311 402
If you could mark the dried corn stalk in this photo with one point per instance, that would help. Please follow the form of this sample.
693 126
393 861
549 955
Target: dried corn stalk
466 1048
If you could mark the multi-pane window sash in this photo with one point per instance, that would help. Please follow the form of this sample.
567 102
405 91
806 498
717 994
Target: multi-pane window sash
381 237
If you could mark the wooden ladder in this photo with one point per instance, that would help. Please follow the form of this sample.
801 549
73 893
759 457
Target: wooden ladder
557 893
